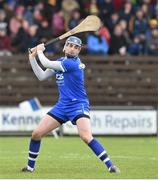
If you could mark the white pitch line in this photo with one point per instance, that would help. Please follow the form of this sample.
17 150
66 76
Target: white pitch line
136 157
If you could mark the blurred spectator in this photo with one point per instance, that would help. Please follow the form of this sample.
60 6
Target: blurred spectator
125 32
96 44
92 7
5 42
37 15
152 43
153 23
3 22
67 6
9 8
127 11
47 11
25 38
104 32
44 32
112 21
75 19
15 23
106 10
140 27
58 25
156 10
148 11
118 42
32 21
28 15
140 24
33 38
135 48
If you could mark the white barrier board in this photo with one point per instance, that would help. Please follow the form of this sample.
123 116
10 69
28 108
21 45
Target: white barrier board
14 119
125 122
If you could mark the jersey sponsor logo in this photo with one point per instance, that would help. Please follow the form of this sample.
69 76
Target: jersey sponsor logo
59 76
82 66
60 79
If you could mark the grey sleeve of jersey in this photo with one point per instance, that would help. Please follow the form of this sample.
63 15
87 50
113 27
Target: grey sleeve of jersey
39 72
55 65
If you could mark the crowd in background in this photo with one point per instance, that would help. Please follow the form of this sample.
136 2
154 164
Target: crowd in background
128 26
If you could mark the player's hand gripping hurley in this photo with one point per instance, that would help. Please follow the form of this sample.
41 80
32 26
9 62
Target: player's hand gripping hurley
90 23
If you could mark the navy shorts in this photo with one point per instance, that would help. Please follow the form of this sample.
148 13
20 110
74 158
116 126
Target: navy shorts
69 112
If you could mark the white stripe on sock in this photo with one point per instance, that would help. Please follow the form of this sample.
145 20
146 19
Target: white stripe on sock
107 159
30 168
32 159
100 155
34 153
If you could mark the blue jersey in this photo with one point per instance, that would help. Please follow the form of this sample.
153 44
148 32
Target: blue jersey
70 81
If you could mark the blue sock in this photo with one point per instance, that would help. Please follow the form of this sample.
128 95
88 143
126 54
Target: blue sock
100 152
33 152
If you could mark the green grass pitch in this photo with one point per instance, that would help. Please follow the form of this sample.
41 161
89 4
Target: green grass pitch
70 158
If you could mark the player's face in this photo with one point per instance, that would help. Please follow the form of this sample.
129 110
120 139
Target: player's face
72 49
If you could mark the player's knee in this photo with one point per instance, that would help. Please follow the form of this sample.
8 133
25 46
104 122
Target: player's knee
86 138
36 135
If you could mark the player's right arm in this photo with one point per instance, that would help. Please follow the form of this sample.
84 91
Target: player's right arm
39 72
47 63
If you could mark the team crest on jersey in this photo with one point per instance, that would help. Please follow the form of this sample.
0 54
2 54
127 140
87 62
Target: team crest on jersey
82 66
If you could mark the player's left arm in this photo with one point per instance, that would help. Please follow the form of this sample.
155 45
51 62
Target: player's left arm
47 63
